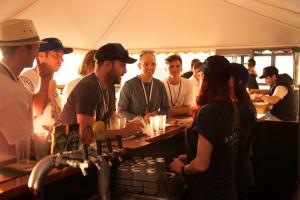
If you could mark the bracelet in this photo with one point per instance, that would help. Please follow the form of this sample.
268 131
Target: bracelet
182 171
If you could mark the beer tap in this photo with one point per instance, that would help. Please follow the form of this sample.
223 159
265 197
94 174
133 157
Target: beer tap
120 150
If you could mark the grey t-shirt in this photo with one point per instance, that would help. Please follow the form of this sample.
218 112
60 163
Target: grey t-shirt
87 98
132 100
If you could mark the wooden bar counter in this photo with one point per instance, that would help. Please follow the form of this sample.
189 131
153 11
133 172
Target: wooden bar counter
16 188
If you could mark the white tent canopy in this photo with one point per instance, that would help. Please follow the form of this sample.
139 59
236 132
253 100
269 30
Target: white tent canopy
163 24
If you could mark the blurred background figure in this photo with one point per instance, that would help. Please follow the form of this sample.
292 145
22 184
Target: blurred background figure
252 83
189 74
196 80
87 66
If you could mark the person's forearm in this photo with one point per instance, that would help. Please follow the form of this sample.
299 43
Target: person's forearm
40 99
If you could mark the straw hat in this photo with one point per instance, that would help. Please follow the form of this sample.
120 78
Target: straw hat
18 32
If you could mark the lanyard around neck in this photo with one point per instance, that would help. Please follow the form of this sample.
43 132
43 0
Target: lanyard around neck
12 76
103 97
173 103
145 93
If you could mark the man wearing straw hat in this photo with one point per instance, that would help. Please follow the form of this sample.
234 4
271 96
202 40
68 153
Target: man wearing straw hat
19 43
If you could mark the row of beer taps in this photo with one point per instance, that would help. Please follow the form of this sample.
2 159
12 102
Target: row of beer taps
81 158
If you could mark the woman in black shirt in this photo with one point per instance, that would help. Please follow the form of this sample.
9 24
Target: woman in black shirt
210 140
247 119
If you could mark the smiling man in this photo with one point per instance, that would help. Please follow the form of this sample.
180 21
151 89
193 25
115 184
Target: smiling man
144 95
179 90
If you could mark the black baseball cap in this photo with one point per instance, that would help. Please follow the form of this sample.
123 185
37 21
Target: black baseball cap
269 71
113 51
53 44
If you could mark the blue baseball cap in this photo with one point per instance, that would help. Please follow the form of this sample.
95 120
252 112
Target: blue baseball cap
53 44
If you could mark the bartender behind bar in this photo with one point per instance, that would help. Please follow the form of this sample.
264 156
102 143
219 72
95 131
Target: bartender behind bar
280 94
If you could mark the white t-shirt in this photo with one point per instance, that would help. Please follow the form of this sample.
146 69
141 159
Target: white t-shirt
180 94
31 81
196 87
15 114
280 91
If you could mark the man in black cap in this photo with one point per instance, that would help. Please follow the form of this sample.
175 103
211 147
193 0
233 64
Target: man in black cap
93 98
50 53
280 95
252 83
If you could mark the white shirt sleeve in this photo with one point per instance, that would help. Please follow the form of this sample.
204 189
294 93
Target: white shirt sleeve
280 91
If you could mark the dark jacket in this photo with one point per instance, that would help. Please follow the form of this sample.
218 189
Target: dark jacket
285 108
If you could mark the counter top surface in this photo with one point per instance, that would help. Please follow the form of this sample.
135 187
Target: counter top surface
16 186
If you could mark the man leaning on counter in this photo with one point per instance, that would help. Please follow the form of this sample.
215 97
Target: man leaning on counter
280 95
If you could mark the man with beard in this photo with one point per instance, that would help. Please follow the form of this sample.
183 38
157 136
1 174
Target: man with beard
93 98
144 95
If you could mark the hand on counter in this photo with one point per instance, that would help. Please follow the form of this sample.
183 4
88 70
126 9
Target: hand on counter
147 116
132 128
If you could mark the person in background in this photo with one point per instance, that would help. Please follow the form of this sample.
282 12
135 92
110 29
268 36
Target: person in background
93 98
87 66
208 166
51 52
19 43
144 95
280 95
189 74
252 83
197 80
247 119
178 89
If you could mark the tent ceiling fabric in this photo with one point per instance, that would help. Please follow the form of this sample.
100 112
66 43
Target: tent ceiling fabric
163 24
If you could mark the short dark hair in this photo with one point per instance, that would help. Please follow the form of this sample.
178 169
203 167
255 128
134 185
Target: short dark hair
252 62
194 61
173 57
198 65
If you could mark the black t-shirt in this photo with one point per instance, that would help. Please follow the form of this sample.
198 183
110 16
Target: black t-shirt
244 170
252 83
87 98
214 122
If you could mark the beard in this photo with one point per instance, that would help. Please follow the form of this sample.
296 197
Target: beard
112 77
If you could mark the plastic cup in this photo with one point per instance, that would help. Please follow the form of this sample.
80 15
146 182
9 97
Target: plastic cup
162 123
22 146
117 123
154 124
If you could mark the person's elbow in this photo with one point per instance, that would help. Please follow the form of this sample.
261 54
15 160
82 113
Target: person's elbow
201 166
